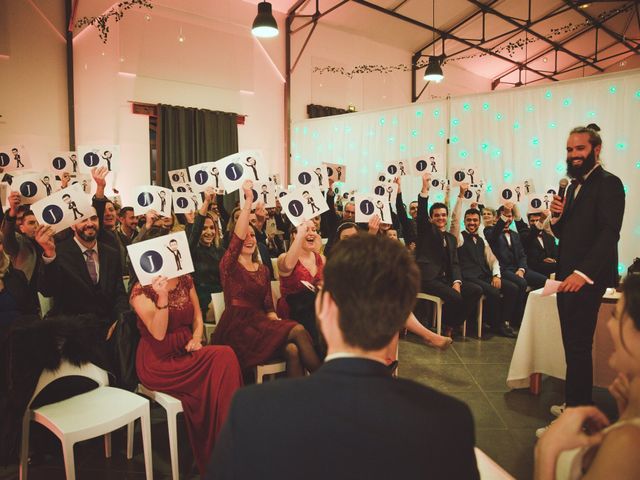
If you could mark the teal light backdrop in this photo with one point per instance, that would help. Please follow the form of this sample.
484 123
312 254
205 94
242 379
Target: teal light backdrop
510 136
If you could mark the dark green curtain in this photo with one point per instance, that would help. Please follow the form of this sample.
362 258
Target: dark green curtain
187 136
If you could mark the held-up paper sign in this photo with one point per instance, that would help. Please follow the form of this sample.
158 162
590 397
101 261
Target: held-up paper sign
207 174
14 158
151 197
539 202
178 177
337 172
262 192
63 208
98 156
303 204
246 165
468 175
168 256
369 205
528 186
511 193
33 186
428 164
475 193
313 176
399 168
439 183
64 162
186 202
386 191
82 181
185 188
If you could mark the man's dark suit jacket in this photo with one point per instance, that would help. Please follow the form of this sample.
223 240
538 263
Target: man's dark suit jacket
431 256
349 420
535 252
67 280
512 257
589 229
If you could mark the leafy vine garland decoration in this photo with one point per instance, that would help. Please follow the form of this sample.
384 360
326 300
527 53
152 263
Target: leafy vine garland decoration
117 12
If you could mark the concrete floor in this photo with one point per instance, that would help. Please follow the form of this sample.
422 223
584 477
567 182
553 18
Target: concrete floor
471 370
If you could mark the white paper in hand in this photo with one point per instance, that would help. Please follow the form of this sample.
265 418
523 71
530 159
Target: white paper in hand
14 158
462 174
428 164
246 165
64 162
207 174
386 191
63 208
369 205
33 186
262 192
151 197
337 172
186 202
98 156
167 255
178 177
303 204
539 202
398 168
313 177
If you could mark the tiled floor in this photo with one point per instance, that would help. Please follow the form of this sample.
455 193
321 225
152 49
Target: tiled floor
471 370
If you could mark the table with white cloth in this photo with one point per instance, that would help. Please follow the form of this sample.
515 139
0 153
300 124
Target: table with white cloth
539 348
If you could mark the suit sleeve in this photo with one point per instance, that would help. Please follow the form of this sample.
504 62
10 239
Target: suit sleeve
456 275
121 298
454 228
224 215
193 233
404 220
330 218
463 463
11 244
526 233
48 277
609 214
221 465
521 255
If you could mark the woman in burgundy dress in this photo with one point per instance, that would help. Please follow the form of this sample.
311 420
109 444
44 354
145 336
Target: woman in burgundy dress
302 263
249 324
171 359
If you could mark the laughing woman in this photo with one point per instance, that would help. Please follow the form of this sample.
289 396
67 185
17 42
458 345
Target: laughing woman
204 243
249 323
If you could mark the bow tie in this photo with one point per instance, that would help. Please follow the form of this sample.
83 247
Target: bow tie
577 181
473 235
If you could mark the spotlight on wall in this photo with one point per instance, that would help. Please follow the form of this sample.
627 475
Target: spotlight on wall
264 25
433 73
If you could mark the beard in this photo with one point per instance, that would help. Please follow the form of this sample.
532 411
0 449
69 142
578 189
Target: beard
87 236
579 171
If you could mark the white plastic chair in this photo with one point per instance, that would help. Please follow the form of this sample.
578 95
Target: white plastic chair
173 407
478 319
88 415
270 368
437 311
274 264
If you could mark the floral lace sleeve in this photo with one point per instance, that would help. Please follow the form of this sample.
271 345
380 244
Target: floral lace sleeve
146 291
230 258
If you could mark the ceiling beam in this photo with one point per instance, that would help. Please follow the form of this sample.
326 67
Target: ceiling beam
525 28
446 35
601 25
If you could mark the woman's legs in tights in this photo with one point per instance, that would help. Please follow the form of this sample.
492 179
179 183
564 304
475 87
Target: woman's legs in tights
430 338
305 355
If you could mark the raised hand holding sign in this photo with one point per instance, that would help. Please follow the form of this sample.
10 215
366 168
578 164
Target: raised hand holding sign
168 256
14 158
151 197
91 156
63 209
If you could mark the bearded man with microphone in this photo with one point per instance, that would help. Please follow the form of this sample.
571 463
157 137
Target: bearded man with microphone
587 222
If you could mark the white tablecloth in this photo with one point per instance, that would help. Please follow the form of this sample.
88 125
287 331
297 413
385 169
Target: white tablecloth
539 346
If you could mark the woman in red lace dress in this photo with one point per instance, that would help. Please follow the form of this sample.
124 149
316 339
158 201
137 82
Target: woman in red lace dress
249 324
171 359
300 272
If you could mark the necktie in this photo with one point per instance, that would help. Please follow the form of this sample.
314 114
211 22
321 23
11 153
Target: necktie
91 265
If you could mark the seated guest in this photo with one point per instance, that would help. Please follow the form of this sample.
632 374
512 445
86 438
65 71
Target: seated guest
82 274
508 249
302 263
364 423
16 297
171 359
206 253
408 225
249 323
126 230
489 217
581 443
19 229
479 266
349 212
539 245
437 258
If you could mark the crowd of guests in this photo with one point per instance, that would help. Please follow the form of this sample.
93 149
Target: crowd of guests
351 305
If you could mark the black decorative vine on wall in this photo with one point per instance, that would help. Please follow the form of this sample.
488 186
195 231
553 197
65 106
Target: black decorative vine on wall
117 12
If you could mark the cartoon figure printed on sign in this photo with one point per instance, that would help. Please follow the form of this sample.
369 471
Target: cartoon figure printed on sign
380 206
177 256
16 157
478 193
215 174
71 205
471 173
527 187
85 186
518 193
195 202
47 185
251 163
432 161
310 202
74 160
546 202
339 172
390 192
163 200
401 167
106 156
318 173
264 193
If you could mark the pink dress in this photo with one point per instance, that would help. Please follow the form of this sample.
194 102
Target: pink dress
204 380
293 283
244 325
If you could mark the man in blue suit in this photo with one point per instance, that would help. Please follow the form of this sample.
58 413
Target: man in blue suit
508 249
351 419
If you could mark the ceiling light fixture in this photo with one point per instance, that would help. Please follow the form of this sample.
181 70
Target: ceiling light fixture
264 25
584 5
433 72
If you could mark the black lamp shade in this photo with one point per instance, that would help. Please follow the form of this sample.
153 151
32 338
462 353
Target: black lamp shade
433 73
264 25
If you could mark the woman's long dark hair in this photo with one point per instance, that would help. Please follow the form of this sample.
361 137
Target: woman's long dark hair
631 291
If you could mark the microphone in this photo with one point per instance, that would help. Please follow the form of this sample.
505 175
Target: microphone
562 188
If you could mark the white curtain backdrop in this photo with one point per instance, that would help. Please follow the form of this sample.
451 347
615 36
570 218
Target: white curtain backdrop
510 136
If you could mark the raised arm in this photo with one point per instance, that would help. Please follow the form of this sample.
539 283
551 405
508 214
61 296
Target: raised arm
198 222
11 245
242 225
287 261
456 213
154 315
